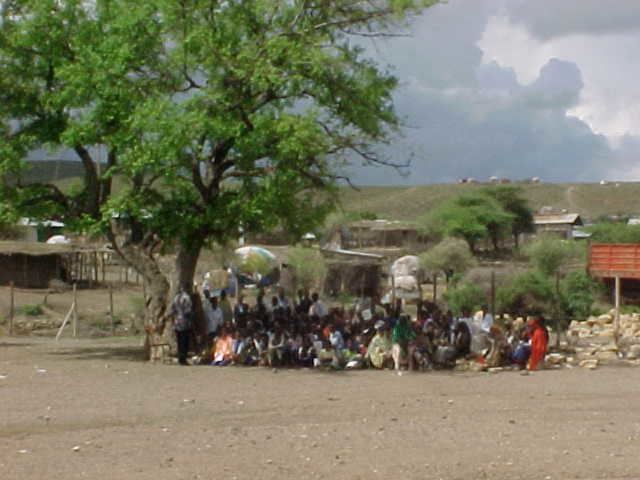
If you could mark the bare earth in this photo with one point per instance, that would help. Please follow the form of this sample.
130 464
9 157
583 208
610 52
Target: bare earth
129 419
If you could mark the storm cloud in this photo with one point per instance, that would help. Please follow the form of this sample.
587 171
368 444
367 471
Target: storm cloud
514 89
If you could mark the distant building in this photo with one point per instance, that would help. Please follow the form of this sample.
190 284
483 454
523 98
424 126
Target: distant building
562 224
38 231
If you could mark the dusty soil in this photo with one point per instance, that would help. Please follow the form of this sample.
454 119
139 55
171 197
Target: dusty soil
129 419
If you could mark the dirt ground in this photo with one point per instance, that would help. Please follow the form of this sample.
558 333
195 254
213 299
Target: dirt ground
92 408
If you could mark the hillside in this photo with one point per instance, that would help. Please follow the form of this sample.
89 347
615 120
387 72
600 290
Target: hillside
408 203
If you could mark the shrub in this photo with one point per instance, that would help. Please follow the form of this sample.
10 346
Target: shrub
450 256
529 293
465 296
309 266
31 310
548 254
578 291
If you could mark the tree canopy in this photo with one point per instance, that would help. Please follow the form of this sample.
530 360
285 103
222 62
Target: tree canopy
472 217
450 256
511 200
216 116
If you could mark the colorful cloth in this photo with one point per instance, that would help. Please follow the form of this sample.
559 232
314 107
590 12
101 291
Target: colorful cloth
378 350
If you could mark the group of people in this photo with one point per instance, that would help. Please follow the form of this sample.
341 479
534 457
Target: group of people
304 332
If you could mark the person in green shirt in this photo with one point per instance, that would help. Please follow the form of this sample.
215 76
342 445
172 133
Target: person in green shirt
401 335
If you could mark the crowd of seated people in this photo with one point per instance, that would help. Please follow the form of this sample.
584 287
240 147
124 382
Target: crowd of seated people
304 332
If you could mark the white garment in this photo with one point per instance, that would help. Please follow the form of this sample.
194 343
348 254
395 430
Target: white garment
318 309
487 322
215 318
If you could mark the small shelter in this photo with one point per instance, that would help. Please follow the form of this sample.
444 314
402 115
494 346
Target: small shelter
614 263
356 273
561 224
33 265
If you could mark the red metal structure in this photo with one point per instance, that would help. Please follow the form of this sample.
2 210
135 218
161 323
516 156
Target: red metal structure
611 260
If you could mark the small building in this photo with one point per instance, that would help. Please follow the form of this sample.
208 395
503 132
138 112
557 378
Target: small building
38 231
562 224
33 265
355 273
380 234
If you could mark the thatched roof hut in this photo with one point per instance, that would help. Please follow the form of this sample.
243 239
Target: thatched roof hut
33 265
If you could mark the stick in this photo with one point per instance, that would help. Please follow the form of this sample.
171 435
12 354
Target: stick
616 323
113 327
75 311
65 321
11 311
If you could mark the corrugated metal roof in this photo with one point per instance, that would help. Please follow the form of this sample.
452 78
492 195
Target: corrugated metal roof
557 219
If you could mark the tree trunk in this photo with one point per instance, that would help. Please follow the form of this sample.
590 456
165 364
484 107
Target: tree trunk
159 335
186 262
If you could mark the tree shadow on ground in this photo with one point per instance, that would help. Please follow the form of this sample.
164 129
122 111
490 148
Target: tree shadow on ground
14 344
103 352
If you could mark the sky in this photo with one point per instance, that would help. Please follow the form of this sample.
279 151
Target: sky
515 89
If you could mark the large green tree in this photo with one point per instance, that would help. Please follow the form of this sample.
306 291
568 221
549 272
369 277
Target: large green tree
215 115
511 200
472 217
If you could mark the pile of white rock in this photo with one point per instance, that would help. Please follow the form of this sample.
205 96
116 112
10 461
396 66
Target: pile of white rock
603 327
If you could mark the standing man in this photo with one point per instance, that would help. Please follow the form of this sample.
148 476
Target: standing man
182 312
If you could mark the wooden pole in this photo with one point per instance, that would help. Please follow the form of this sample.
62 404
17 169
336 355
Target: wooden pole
75 311
557 310
126 275
113 326
616 322
11 310
493 294
435 288
95 266
103 263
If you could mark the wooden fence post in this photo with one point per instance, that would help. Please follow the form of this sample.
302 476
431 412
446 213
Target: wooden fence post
11 310
113 325
435 288
616 321
493 294
75 311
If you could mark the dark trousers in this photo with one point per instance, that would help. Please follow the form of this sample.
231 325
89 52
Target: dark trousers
182 339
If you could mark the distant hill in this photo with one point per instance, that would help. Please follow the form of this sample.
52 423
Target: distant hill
53 170
409 203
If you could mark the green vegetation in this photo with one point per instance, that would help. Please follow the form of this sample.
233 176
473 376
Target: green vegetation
309 266
409 203
615 233
527 294
511 200
213 118
549 254
464 297
578 291
30 310
472 217
451 256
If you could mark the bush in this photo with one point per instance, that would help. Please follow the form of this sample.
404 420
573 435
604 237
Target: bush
529 293
451 256
465 296
548 254
578 291
309 266
30 310
615 233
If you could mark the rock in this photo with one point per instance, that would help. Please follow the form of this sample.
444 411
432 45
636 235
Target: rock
606 356
555 358
633 352
591 364
605 319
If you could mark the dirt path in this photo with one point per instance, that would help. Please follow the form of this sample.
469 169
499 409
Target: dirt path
132 420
